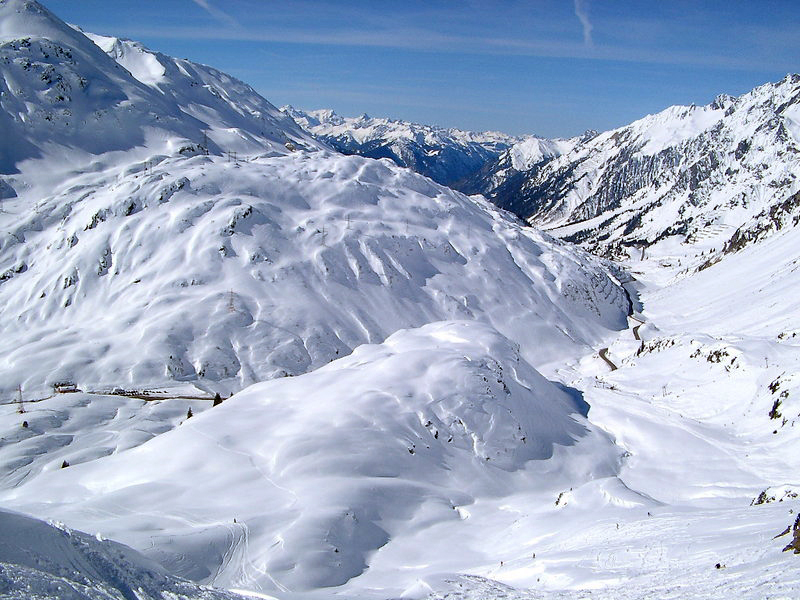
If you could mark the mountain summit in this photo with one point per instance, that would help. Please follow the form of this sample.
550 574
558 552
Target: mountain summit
60 90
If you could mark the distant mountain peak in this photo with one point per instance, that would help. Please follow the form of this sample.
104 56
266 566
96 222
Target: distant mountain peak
671 173
448 156
60 89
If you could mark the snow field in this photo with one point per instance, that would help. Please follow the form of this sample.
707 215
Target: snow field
692 407
381 446
80 427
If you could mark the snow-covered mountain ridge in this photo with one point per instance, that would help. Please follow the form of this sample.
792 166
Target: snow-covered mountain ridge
365 128
688 170
417 451
60 90
139 253
448 156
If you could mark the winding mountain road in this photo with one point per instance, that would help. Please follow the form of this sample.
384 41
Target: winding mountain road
604 355
636 329
604 351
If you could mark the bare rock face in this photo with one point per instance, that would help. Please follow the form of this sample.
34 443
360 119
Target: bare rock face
794 545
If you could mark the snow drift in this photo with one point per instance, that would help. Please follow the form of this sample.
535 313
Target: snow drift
39 560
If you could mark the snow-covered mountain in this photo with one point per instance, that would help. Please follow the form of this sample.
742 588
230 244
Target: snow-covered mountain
228 270
298 483
691 171
220 271
391 433
140 254
62 95
500 178
448 156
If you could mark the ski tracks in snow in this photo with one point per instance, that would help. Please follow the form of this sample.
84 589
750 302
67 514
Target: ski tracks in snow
238 552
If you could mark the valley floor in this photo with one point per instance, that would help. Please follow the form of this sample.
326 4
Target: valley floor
707 409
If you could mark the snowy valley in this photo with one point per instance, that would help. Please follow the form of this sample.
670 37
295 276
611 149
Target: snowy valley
448 156
246 352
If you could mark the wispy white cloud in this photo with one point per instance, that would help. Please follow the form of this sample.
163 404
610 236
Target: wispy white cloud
639 40
219 15
582 12
436 42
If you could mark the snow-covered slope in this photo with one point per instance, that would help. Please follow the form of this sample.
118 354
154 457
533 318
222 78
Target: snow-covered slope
707 407
76 428
63 97
530 152
216 271
304 482
39 561
448 156
693 171
235 117
128 263
230 269
436 463
705 404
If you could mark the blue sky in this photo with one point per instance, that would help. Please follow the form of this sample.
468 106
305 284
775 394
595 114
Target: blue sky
550 67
